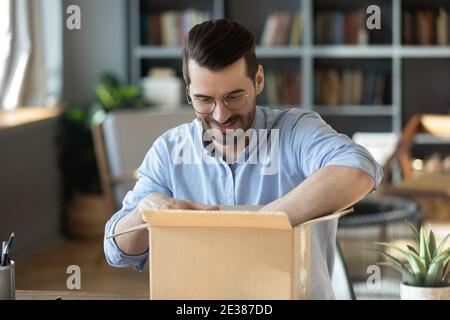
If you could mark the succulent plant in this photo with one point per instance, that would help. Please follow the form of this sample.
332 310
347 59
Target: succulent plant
426 268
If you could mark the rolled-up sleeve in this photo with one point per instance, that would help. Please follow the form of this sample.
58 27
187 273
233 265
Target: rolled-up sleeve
318 145
151 178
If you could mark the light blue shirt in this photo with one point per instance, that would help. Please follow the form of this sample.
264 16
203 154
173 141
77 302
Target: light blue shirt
306 144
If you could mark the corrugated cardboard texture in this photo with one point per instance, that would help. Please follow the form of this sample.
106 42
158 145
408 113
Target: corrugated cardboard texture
218 219
218 263
301 270
228 255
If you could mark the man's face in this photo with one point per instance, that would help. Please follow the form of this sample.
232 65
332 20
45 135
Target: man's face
207 85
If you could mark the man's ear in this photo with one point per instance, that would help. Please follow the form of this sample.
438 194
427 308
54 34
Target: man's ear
259 80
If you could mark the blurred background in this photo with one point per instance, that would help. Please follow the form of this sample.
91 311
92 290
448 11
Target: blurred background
87 85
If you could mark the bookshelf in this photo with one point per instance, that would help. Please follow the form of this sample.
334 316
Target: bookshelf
382 50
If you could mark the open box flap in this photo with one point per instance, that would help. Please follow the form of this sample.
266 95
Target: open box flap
240 219
220 219
330 216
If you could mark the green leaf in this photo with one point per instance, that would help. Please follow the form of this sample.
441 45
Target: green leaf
106 97
446 278
391 258
441 246
75 114
423 248
416 264
412 249
109 80
414 229
444 271
444 254
407 276
416 277
390 245
432 244
434 274
129 91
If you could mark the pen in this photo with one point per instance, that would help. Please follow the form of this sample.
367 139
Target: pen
11 239
6 250
3 257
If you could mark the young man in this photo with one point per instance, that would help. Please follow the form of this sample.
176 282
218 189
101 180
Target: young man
313 170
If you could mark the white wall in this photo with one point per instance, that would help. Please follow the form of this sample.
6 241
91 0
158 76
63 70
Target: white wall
100 45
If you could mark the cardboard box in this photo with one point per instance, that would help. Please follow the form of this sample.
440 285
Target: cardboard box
229 255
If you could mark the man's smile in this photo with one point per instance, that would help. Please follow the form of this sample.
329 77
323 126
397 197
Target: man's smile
230 124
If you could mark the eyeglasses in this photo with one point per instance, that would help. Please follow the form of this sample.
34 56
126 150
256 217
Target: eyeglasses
206 105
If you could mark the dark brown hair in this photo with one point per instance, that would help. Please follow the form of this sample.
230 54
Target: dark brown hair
215 44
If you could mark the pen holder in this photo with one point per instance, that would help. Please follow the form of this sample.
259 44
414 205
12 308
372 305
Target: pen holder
7 282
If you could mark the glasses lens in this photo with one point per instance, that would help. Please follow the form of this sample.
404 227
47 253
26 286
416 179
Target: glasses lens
236 102
203 106
206 105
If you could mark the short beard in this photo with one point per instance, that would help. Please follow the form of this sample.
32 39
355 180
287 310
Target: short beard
248 123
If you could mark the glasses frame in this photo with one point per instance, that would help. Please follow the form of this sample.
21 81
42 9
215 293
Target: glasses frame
223 100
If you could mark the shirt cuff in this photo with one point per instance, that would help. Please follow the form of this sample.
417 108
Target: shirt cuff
114 255
372 168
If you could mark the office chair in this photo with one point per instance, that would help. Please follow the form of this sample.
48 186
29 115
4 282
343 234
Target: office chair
121 143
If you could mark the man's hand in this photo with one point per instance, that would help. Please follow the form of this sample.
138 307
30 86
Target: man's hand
136 243
160 201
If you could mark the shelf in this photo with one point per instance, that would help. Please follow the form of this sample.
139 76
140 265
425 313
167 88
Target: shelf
158 52
354 110
384 57
330 51
279 52
162 52
425 51
356 51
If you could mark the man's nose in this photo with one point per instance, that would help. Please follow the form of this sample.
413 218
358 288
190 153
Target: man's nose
221 112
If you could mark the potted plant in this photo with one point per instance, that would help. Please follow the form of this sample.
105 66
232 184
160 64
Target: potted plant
86 208
424 270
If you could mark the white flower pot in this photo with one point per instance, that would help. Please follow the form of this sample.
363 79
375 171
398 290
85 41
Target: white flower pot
424 293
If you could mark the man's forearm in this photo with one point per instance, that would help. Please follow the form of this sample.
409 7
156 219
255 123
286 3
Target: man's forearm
136 243
133 243
330 189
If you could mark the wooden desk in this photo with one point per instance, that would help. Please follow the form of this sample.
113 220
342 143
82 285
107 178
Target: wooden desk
21 116
72 295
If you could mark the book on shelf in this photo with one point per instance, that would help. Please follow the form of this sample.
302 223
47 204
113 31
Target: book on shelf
346 92
333 87
338 34
282 28
357 92
369 91
295 37
169 28
339 27
426 27
281 88
442 28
